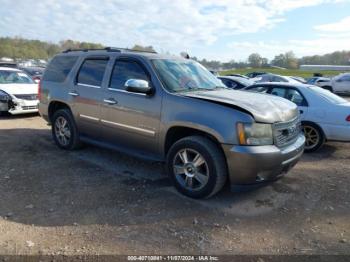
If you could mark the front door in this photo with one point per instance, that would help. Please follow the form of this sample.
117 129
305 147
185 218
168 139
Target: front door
131 120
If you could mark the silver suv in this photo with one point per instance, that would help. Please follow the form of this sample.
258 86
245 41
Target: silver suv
173 110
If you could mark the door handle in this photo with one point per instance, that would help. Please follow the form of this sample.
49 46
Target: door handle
73 93
110 101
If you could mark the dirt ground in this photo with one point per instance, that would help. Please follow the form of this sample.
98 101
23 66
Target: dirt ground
96 201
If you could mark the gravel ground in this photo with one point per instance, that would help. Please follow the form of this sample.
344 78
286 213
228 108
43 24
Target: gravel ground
96 201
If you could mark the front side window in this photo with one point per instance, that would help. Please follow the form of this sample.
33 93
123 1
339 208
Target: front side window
229 83
179 75
123 71
260 89
14 77
59 68
345 78
92 71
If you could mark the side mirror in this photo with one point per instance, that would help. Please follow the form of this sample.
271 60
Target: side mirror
138 86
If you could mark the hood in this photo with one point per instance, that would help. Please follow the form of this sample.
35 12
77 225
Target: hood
264 108
19 89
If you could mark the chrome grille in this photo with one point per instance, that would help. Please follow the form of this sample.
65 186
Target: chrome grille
30 97
286 133
29 107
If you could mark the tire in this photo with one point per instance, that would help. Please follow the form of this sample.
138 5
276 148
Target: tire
314 135
197 178
63 118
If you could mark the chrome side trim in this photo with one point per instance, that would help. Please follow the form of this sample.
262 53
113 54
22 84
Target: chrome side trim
86 85
89 117
142 130
124 91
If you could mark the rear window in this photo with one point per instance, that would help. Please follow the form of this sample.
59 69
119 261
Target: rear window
92 71
59 68
333 98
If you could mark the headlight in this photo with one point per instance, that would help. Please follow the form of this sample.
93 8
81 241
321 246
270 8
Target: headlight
254 134
4 96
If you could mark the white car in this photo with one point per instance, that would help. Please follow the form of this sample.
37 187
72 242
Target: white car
323 82
341 83
18 92
324 115
274 78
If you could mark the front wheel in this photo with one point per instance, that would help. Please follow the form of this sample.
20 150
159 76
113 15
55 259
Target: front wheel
314 137
197 167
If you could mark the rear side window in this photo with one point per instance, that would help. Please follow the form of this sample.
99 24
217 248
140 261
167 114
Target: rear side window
91 72
125 70
59 68
261 89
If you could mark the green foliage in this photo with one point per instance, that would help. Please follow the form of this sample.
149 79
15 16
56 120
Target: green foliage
34 49
143 48
287 60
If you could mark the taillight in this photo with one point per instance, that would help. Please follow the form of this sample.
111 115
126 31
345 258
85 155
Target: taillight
348 118
39 90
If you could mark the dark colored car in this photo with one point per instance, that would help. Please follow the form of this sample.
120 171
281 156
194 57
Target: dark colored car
235 82
255 74
8 64
35 72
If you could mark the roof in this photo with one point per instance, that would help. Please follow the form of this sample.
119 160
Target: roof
104 51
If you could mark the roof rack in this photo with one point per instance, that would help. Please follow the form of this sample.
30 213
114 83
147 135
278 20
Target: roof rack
108 49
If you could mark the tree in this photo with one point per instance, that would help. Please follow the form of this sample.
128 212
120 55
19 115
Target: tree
287 60
143 48
255 60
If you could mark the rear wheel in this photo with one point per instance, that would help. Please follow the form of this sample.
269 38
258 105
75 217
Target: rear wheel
314 137
64 130
197 167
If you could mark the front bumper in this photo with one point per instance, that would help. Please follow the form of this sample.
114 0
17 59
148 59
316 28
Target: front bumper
251 165
24 107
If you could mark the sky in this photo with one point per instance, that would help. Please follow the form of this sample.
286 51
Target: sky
212 29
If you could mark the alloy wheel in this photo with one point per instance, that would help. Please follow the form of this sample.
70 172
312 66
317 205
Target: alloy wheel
312 137
62 131
191 169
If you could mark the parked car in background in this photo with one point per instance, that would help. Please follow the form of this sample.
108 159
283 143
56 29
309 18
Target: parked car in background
299 79
324 115
235 82
8 64
323 82
18 92
173 110
215 73
255 74
274 78
35 72
238 75
341 83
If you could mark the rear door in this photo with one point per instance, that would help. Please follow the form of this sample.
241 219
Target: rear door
87 95
131 120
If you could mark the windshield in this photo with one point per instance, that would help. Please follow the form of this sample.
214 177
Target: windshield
333 98
14 77
185 75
